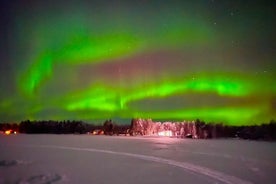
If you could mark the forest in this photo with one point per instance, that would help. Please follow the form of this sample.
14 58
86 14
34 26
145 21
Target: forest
146 127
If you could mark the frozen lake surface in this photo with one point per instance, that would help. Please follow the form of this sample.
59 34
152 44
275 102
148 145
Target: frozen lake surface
41 159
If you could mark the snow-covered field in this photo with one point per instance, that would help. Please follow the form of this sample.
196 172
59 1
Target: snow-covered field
38 159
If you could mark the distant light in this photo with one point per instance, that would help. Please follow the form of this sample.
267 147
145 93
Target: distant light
8 132
165 133
15 132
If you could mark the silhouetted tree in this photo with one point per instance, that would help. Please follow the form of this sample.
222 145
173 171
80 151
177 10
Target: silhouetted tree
108 127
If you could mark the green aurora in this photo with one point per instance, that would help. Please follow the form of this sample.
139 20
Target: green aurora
178 61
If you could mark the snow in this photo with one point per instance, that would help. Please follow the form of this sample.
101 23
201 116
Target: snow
38 159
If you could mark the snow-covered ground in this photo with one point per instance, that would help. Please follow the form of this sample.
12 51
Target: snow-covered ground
38 159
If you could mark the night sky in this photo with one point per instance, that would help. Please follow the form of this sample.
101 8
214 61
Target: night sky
166 60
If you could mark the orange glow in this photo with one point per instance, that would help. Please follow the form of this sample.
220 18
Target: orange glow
98 132
165 133
8 132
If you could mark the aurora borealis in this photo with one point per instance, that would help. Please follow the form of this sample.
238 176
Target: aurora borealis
166 60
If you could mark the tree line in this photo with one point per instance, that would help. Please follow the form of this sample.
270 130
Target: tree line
201 130
187 129
49 127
